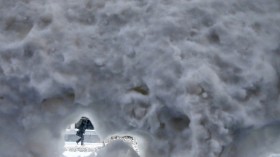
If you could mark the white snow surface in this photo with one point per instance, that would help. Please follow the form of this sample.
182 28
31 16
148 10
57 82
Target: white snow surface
187 78
71 149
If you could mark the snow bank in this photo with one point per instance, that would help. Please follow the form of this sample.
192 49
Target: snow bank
186 77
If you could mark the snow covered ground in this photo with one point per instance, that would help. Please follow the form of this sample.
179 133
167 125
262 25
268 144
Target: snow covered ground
77 154
74 150
186 78
92 145
71 149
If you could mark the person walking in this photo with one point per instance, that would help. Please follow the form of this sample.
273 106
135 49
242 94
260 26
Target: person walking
81 126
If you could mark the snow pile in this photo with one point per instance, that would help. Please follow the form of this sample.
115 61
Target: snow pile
186 77
117 149
126 139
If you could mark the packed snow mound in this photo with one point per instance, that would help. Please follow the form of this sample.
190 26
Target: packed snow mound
186 77
117 148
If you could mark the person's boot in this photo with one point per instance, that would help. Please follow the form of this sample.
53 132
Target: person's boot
78 141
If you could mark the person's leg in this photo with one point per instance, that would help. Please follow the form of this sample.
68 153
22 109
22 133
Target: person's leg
82 139
78 140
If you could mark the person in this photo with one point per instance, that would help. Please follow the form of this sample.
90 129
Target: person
81 126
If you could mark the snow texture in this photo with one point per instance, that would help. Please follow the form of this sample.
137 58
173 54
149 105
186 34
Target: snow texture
116 149
186 78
